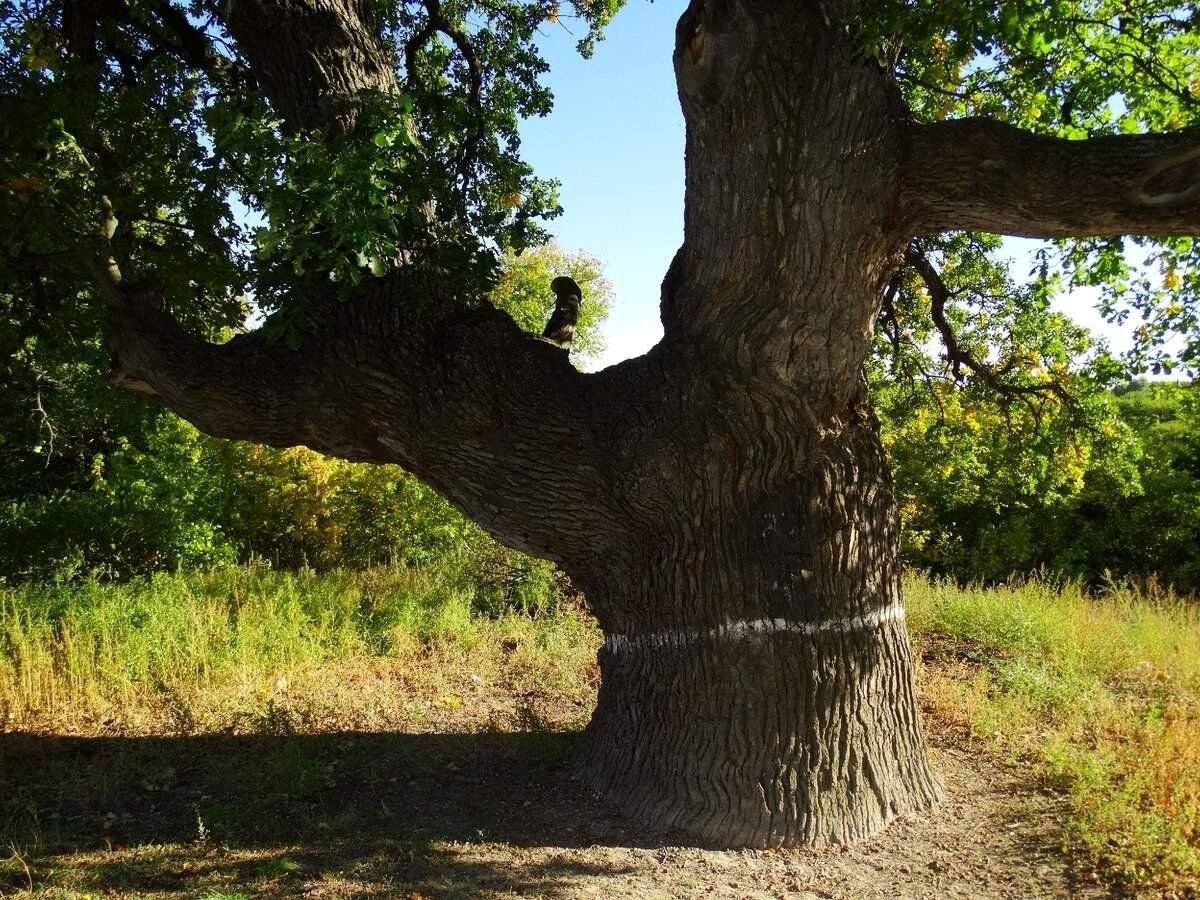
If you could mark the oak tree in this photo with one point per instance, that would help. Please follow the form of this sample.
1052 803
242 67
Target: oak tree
724 500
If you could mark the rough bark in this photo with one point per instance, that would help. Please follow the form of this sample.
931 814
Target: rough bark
724 500
494 418
980 175
312 57
756 681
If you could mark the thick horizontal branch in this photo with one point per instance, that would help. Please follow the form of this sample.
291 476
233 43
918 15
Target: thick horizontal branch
982 175
494 418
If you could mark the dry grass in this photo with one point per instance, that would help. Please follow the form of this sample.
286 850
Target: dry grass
249 650
1102 694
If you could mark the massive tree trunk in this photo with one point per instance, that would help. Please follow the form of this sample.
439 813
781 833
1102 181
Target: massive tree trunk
723 501
757 684
756 679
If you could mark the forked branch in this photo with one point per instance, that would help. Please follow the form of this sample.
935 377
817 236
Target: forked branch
997 378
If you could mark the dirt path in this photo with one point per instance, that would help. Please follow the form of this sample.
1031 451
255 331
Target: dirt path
993 838
456 816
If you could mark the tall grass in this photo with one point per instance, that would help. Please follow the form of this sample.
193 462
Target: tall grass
136 652
1102 693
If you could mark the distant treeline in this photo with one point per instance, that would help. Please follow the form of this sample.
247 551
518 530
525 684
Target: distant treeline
985 493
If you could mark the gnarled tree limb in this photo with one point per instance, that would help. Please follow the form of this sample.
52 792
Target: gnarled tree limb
312 58
496 419
982 175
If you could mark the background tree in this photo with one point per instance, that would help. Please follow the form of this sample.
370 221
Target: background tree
1009 495
1155 532
724 501
523 292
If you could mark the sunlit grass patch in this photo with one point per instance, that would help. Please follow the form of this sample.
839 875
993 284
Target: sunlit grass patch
1103 693
250 649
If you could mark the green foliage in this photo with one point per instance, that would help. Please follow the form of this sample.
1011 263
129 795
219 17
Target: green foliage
128 147
89 477
78 135
999 425
1010 450
341 207
1074 69
1008 343
1009 493
1157 529
1150 286
1068 67
144 504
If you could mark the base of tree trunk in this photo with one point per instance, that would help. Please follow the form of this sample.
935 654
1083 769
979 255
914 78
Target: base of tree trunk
761 736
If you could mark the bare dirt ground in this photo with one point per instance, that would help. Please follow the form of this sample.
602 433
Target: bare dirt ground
466 815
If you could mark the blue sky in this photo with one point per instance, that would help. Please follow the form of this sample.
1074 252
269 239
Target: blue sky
615 141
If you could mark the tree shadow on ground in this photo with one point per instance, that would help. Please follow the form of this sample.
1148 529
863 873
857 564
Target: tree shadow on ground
380 811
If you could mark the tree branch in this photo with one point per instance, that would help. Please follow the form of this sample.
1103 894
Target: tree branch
185 40
891 321
166 29
494 418
959 357
311 58
982 175
436 23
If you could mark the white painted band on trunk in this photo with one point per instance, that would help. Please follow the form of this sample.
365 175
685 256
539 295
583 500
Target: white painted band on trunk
750 628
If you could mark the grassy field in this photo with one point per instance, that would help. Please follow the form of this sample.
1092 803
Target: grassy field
1097 697
1101 694
243 650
